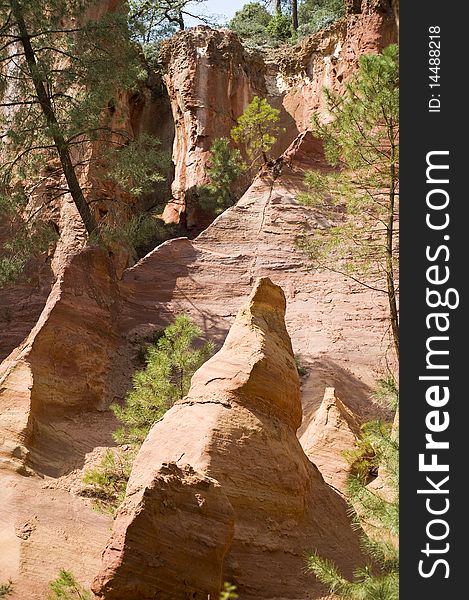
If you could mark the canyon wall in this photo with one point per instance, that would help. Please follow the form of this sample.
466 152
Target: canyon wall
72 351
211 79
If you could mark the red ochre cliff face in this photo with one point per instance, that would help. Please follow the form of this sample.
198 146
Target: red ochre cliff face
211 79
70 335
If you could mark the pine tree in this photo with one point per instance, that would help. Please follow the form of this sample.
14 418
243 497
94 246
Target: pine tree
258 128
224 168
60 75
362 143
376 511
170 364
107 481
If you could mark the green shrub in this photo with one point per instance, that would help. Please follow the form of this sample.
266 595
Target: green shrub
137 165
299 367
6 589
66 587
258 128
170 364
23 244
224 168
107 481
228 592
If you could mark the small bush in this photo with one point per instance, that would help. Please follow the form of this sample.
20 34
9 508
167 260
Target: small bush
228 592
6 589
138 236
170 363
108 480
66 587
299 367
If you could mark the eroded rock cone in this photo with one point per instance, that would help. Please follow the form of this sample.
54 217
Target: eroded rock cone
332 432
235 433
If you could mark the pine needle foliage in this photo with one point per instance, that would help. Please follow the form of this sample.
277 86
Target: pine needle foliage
27 238
376 512
170 364
107 481
228 592
6 589
359 198
138 236
258 129
224 168
136 166
61 71
66 587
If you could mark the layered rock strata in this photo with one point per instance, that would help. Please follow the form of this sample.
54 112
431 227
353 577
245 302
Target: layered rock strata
332 432
225 464
62 367
211 78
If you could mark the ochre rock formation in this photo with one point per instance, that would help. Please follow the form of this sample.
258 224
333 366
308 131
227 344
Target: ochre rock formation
333 430
61 368
211 276
176 530
330 57
57 383
237 426
210 79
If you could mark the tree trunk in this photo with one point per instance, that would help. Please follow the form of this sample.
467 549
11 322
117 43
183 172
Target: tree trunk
391 289
278 7
294 14
181 21
46 106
